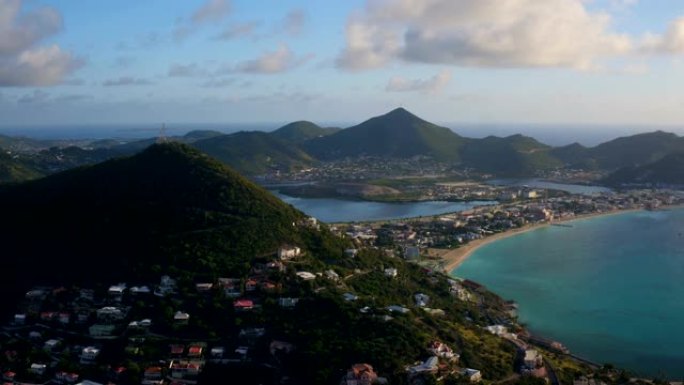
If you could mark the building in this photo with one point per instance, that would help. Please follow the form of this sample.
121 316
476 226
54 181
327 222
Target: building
89 354
430 365
289 252
473 375
361 374
181 318
533 359
440 349
391 272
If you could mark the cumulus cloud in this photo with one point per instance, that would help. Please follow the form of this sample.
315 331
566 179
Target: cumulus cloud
281 60
671 42
22 63
431 85
481 33
126 81
211 11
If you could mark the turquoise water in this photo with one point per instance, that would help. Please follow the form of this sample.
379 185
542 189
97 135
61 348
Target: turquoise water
610 288
339 210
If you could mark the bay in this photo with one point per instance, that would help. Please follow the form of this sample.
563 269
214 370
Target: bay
339 210
610 288
542 184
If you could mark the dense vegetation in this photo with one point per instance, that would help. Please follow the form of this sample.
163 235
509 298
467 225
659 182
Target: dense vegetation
667 171
397 134
170 205
172 209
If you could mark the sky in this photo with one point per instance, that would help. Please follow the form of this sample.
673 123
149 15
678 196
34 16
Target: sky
570 62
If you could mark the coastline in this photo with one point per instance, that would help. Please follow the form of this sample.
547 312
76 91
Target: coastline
454 258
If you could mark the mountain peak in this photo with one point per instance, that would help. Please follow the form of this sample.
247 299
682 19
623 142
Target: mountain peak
400 112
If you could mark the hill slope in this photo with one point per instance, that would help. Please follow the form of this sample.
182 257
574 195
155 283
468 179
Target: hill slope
16 170
301 131
515 155
169 205
669 170
635 150
254 152
397 134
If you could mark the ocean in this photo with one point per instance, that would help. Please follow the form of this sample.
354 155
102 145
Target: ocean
609 288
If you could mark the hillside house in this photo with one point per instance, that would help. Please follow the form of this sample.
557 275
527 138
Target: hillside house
430 365
306 276
230 286
89 354
533 359
360 374
289 252
440 349
181 318
66 377
287 302
243 304
20 319
51 345
38 369
472 375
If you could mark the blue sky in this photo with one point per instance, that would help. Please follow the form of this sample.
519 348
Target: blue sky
215 61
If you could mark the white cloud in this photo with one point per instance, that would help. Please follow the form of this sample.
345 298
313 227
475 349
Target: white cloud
671 42
481 33
21 62
431 85
281 60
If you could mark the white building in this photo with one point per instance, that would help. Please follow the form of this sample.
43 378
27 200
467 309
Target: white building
289 252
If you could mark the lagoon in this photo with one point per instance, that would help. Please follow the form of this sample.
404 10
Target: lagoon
542 184
339 210
609 288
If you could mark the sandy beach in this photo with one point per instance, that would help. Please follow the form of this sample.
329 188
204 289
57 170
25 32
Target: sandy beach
454 258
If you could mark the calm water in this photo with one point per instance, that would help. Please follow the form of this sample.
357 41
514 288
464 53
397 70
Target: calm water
610 288
537 183
338 210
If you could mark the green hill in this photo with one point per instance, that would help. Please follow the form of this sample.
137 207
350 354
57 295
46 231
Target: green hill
301 131
668 170
255 152
169 205
515 155
173 210
636 150
397 134
16 169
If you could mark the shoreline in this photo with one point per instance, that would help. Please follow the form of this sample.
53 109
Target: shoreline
452 259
